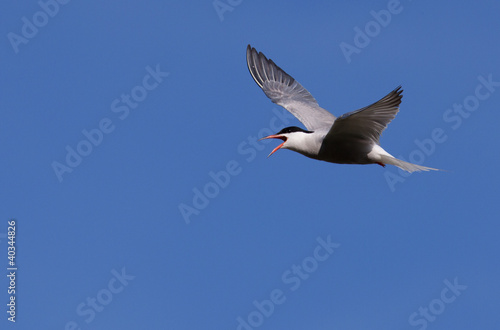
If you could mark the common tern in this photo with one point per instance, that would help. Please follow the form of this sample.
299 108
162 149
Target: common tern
352 138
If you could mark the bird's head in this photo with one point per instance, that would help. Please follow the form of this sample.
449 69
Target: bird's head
293 138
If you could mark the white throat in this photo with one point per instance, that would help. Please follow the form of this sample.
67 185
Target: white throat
308 144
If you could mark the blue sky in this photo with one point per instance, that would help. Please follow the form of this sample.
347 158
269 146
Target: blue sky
143 200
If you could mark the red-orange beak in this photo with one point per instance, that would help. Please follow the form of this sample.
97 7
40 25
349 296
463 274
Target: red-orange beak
281 137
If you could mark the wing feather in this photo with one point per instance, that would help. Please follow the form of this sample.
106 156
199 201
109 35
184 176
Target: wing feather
368 122
285 91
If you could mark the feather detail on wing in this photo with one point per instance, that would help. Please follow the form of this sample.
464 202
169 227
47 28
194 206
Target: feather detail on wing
285 91
368 122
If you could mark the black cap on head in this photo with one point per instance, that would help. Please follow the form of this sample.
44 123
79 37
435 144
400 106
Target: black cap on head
292 129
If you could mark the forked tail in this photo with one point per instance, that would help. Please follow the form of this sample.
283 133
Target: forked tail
409 167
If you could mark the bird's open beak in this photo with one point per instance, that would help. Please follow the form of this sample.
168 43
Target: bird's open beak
281 137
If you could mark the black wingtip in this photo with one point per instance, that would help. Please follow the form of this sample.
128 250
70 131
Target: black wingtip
398 91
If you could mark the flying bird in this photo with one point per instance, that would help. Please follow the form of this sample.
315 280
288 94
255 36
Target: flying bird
352 138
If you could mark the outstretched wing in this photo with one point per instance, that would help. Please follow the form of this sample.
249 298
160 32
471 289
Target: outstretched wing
368 122
283 90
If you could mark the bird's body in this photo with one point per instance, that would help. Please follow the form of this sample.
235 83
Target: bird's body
352 138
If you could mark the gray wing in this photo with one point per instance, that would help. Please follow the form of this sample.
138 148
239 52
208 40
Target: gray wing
368 122
283 90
